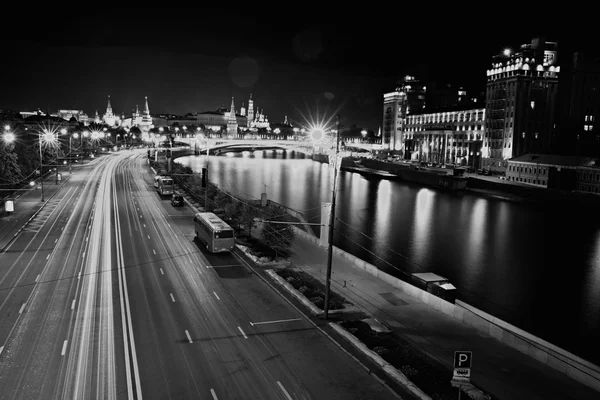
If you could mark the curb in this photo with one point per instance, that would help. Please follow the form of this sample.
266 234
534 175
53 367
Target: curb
309 304
387 367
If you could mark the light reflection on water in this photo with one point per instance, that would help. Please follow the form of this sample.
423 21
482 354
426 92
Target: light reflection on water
533 266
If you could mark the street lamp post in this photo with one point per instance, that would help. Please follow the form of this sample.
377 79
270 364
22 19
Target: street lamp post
41 169
332 220
206 188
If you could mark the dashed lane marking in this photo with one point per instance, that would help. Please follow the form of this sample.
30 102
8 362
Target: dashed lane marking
240 328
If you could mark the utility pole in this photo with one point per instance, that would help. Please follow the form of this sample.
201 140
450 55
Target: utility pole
206 188
331 220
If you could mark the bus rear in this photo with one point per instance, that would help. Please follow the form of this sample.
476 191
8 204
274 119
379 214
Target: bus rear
214 233
165 186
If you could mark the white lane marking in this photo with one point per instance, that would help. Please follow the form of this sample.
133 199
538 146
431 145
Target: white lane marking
37 278
87 238
79 275
1 348
284 391
148 236
240 328
161 271
83 256
276 321
144 225
172 298
64 349
217 296
214 395
141 216
154 251
73 304
62 228
188 336
55 240
138 209
22 308
48 256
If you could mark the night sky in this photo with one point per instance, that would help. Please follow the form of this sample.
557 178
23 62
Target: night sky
294 61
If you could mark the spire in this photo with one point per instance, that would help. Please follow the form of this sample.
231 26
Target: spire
108 107
232 118
285 121
146 108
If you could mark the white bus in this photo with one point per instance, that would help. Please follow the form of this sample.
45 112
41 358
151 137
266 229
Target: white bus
213 232
165 185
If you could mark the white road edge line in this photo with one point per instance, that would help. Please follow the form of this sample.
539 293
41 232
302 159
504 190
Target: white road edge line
37 278
188 336
240 328
1 348
214 395
64 349
172 298
22 308
284 391
48 256
217 296
73 304
276 321
161 271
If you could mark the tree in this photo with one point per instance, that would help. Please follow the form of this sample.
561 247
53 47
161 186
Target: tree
278 237
246 217
10 170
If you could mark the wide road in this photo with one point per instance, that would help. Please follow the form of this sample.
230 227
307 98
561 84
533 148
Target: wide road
106 294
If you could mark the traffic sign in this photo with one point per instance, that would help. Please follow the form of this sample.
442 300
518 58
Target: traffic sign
462 359
461 373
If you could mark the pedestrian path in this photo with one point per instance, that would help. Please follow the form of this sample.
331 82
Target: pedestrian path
497 368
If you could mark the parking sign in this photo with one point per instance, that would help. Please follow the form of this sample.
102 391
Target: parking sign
462 359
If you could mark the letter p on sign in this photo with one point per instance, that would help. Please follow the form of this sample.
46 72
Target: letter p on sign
462 359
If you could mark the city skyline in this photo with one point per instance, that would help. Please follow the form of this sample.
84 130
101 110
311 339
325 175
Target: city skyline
184 66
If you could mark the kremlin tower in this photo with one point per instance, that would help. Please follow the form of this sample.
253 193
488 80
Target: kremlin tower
108 117
232 125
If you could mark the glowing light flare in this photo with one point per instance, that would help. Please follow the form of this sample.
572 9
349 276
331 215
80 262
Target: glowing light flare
9 137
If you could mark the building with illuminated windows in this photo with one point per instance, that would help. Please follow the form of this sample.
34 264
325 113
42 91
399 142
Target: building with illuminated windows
446 137
409 97
580 106
521 102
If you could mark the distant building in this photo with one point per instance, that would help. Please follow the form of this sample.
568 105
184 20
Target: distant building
109 117
79 115
232 124
408 98
550 170
448 137
580 106
521 101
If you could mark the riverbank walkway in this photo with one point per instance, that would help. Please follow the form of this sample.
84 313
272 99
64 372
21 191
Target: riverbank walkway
497 368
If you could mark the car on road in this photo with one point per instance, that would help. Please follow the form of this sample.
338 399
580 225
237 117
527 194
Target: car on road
177 200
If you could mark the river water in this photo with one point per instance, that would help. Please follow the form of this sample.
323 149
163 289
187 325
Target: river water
534 266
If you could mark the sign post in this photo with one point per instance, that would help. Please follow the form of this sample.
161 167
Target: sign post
462 369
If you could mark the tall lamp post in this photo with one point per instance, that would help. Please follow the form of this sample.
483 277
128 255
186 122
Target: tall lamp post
333 160
206 188
41 169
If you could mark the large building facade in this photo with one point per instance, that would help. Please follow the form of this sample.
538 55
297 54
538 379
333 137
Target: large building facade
448 137
521 101
408 98
580 98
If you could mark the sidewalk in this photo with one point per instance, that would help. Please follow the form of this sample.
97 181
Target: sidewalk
497 368
27 204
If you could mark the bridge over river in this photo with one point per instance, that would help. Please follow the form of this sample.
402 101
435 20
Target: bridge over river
224 145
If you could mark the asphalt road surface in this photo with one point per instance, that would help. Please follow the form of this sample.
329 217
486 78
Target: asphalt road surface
107 295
